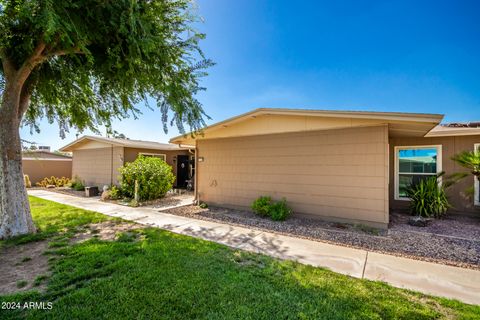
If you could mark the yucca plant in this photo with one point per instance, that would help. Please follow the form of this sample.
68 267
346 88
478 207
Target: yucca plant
428 198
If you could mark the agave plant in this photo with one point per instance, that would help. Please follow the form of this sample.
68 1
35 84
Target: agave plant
428 198
469 160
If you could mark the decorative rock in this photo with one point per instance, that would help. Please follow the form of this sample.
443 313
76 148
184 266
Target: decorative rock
418 221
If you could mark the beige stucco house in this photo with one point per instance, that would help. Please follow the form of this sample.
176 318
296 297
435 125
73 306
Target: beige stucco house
39 164
336 165
96 160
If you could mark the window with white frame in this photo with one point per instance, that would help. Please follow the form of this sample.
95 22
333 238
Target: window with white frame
412 164
157 155
476 183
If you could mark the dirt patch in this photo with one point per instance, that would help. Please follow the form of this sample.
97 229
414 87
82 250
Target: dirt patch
107 230
21 265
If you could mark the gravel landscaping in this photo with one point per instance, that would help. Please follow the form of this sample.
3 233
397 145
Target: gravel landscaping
454 240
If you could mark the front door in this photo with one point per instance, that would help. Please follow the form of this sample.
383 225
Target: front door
182 171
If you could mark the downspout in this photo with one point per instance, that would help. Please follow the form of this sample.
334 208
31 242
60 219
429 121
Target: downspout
111 166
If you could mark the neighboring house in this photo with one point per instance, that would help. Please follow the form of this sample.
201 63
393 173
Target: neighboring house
337 165
38 164
96 160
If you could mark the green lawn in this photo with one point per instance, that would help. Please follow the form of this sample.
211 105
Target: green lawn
164 275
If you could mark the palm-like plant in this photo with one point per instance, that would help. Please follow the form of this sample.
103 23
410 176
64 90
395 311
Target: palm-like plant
428 198
469 160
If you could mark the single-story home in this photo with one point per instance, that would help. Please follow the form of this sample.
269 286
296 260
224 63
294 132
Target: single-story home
345 166
96 160
39 164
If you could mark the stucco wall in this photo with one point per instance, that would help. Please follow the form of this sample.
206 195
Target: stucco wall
38 169
450 146
98 166
339 174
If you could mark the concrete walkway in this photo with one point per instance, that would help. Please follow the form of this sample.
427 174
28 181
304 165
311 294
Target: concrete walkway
431 278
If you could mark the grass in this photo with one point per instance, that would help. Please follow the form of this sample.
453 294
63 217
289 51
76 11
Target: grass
158 274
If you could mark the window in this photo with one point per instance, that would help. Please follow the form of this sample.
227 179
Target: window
476 197
157 155
412 164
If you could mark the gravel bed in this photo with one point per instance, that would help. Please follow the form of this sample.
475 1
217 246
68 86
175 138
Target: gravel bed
451 247
63 190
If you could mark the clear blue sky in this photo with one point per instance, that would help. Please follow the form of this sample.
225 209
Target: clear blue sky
410 56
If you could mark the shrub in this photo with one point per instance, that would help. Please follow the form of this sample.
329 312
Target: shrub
261 206
77 184
115 193
203 205
265 207
26 180
279 211
154 176
428 199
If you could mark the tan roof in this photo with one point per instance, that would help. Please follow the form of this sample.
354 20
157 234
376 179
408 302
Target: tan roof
445 131
420 123
129 143
41 154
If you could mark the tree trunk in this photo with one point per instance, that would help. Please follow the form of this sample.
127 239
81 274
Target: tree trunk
15 217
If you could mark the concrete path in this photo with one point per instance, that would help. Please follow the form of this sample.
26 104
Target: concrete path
431 278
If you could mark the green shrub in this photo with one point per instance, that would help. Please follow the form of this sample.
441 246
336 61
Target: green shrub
261 206
77 184
115 193
279 211
154 176
203 205
428 199
265 207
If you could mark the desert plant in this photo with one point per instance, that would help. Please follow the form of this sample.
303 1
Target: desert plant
26 180
428 198
279 211
153 175
261 206
265 207
54 181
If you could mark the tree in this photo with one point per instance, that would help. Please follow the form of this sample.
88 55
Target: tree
83 63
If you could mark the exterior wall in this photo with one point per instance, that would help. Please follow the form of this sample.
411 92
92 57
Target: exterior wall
97 166
37 169
450 146
339 175
132 153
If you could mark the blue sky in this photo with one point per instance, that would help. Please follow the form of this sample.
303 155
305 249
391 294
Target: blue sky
409 56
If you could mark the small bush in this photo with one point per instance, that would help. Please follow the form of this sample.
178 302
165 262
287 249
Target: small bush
265 207
115 193
77 184
203 205
428 199
262 205
279 211
155 178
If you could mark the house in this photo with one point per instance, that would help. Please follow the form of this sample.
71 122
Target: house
39 164
345 166
96 160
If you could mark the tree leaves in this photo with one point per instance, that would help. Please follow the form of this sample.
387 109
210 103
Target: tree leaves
103 58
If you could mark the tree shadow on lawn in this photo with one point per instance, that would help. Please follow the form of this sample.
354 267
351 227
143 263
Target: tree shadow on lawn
173 276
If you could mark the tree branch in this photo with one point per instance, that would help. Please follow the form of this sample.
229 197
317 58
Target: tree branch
25 96
7 63
32 61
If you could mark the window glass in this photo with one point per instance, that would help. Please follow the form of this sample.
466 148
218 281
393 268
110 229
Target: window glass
414 164
417 160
